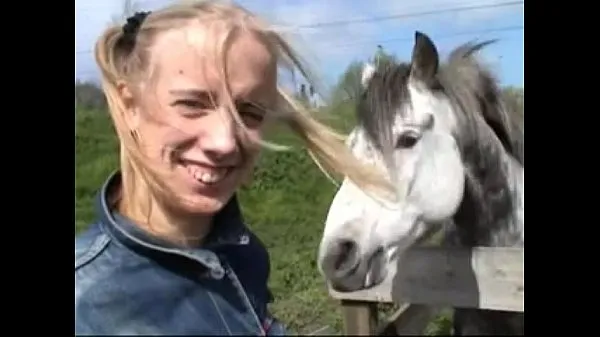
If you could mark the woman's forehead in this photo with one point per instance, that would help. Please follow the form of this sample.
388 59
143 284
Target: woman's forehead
190 57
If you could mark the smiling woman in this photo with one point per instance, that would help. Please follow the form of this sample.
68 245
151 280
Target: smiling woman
190 89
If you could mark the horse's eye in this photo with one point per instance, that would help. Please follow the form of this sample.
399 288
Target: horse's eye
407 140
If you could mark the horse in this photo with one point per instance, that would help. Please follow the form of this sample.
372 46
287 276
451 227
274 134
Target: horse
441 134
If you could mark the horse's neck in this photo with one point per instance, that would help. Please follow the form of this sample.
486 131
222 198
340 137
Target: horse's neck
492 210
517 186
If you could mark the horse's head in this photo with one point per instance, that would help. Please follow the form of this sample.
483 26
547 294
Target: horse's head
408 128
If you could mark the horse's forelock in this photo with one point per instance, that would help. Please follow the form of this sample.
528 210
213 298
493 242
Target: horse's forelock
383 98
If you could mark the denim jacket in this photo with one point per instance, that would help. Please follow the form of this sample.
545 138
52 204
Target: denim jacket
129 282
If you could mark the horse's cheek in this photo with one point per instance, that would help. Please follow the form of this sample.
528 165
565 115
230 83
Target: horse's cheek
445 187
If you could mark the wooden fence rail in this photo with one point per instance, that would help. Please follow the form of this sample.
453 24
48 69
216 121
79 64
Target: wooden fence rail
427 278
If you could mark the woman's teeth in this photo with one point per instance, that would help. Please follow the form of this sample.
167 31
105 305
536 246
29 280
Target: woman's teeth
207 176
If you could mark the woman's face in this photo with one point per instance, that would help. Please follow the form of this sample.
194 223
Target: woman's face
198 140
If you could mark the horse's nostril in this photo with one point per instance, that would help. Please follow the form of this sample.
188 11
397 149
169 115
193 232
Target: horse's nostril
347 256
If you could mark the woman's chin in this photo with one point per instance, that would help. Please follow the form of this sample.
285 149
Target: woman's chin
197 197
204 205
209 199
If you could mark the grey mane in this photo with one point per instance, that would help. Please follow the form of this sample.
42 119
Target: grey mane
475 91
485 215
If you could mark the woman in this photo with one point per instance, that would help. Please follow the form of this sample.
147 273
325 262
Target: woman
190 89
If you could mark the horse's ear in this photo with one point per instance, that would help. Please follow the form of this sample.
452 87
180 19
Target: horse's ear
425 58
368 71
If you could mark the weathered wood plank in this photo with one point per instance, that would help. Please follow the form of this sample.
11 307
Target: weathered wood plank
360 318
483 277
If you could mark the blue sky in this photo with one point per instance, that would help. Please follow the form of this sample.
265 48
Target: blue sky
331 48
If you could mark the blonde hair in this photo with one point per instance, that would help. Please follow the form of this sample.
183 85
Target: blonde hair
119 65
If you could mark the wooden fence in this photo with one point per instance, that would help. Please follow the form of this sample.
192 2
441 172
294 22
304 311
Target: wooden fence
430 278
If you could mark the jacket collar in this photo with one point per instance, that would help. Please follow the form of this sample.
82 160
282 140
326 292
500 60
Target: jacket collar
228 225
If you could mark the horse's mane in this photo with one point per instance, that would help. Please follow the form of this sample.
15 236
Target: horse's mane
474 88
481 106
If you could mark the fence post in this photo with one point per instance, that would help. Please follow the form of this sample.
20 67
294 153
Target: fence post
360 318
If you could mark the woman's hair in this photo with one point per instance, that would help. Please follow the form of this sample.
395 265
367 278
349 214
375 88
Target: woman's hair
122 61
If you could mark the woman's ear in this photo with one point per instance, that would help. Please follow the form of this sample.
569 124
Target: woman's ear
130 110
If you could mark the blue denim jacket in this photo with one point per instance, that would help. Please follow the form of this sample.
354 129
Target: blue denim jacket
129 282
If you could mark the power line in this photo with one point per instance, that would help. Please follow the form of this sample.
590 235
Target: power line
435 37
391 17
405 39
409 15
399 39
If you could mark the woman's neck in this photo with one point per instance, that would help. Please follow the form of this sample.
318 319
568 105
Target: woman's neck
146 211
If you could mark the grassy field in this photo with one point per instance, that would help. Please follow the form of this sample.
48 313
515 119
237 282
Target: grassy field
285 206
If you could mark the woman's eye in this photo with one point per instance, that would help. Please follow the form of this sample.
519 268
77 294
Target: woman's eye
251 118
191 107
194 104
252 115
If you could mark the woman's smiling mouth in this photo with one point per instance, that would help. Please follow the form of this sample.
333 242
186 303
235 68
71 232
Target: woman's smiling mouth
205 174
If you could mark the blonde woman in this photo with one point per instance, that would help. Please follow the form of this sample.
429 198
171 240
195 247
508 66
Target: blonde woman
190 89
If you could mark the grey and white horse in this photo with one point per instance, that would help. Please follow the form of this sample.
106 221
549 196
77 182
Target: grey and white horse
444 138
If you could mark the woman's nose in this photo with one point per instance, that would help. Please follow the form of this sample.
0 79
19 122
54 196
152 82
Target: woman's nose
219 136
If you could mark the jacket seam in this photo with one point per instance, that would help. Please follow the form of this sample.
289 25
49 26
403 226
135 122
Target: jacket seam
99 244
220 313
242 293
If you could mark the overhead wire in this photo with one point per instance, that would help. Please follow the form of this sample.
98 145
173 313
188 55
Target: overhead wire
456 9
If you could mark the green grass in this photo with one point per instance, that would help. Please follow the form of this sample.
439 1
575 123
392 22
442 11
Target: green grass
285 207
